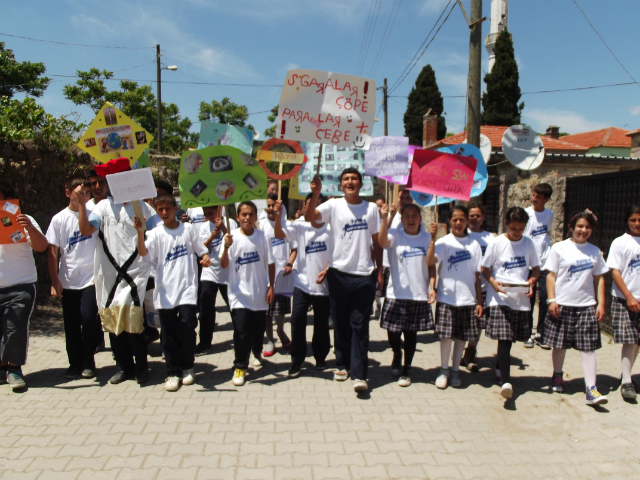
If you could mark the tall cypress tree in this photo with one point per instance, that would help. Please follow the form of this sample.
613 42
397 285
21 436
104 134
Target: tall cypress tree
424 95
500 101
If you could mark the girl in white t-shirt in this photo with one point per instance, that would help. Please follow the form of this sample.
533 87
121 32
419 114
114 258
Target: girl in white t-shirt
410 293
459 296
624 262
506 267
576 302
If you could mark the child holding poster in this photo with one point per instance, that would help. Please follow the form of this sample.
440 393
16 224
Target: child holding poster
18 278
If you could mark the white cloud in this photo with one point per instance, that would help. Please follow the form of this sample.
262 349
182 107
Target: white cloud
568 121
635 110
432 6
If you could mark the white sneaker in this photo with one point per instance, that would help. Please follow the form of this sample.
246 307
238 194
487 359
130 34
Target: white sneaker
188 377
443 379
238 377
257 361
340 375
360 385
506 391
172 384
404 381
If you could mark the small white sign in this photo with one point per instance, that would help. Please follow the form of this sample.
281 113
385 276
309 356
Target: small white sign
132 185
10 207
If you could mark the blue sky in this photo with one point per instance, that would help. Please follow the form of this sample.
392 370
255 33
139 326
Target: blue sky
256 42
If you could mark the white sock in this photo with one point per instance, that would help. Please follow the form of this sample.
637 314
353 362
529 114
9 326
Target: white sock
458 350
445 352
629 354
557 356
378 303
589 367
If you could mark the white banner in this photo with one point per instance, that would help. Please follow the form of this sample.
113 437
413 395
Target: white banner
132 185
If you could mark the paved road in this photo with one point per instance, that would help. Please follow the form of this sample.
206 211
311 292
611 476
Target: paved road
312 427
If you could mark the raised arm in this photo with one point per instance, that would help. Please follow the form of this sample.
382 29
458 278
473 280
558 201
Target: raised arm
86 229
224 258
139 226
277 227
52 260
431 251
312 215
383 238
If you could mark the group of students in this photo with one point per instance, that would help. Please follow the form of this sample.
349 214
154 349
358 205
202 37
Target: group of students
102 258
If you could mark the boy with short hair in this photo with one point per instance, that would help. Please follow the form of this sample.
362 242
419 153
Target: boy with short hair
73 282
538 229
173 246
99 189
246 253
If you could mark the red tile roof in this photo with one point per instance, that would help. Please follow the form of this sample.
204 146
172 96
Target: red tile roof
605 137
632 132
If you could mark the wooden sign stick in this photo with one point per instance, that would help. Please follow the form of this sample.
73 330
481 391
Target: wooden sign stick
319 157
226 207
280 182
396 194
436 207
137 210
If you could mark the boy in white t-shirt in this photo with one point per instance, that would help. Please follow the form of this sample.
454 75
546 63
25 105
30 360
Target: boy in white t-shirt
174 246
73 282
99 189
352 273
247 256
18 278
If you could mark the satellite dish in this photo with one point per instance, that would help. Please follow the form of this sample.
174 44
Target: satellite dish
481 176
485 147
421 198
256 135
523 147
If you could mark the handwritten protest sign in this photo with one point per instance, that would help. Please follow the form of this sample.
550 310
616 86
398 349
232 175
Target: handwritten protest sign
401 179
10 231
132 185
112 135
442 174
239 137
387 156
220 175
327 107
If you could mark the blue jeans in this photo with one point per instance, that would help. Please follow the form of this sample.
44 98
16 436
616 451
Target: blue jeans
541 288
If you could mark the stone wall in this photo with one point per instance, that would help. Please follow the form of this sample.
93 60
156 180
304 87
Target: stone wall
165 167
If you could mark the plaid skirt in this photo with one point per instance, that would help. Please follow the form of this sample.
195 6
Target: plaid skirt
281 306
383 293
484 319
508 324
457 322
626 324
406 315
575 327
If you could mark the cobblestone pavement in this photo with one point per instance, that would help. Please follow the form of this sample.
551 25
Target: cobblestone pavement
312 427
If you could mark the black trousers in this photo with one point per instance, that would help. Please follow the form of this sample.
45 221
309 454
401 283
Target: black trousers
125 348
81 326
351 298
208 294
321 342
16 306
410 344
178 328
248 333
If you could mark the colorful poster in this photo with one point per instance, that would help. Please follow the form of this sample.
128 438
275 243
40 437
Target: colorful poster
334 160
442 174
220 175
143 160
401 179
239 137
327 107
10 231
387 156
112 135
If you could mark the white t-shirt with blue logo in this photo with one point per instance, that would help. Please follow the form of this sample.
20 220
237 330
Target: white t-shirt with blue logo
575 265
174 250
314 254
459 259
537 229
409 273
510 263
279 246
483 238
624 255
196 215
76 252
249 260
215 273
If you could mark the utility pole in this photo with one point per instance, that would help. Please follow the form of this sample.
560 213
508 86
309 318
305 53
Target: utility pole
159 98
474 85
385 100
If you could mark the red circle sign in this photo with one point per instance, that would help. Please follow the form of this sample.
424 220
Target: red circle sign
296 148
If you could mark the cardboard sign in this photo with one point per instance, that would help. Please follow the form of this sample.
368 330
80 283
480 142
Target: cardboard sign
442 174
132 185
327 107
239 137
10 231
334 160
113 135
282 157
402 179
387 156
219 175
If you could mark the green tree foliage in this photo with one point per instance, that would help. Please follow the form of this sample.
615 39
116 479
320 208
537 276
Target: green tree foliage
423 96
500 101
20 77
225 112
136 101
271 131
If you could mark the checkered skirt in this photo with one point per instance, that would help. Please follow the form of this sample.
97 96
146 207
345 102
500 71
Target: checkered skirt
575 327
626 324
457 322
508 324
281 306
383 293
400 315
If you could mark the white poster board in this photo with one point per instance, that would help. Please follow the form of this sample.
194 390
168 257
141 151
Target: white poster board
132 185
327 107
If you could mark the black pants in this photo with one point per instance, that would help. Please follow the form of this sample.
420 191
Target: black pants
248 333
208 294
540 287
81 326
410 345
125 348
504 360
351 298
16 306
321 341
178 339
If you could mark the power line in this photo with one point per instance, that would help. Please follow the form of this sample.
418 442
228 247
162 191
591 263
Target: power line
605 43
373 29
186 83
366 33
383 42
137 66
75 44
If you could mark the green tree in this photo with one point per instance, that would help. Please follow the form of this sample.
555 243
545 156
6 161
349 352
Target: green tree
271 131
225 112
500 101
423 96
136 101
20 77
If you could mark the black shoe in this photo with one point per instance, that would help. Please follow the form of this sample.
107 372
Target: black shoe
628 391
396 364
151 334
321 365
294 372
143 376
100 347
119 378
73 372
89 373
202 348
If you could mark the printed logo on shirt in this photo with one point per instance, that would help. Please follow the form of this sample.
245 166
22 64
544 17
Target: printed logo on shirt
459 256
356 224
197 219
540 230
413 252
315 247
484 249
74 239
246 258
175 253
275 242
580 266
634 264
215 243
516 262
